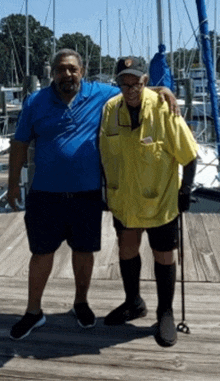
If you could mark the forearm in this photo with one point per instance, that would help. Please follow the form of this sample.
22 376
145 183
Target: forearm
188 175
161 88
18 156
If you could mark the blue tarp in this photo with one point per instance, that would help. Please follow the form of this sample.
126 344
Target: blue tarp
159 71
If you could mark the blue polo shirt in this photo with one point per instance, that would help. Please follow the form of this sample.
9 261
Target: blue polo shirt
66 152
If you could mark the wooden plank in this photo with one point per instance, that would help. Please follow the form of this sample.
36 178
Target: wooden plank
212 226
5 220
107 260
201 243
14 247
61 350
190 272
204 259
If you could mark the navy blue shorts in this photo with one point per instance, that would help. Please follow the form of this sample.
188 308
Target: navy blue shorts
52 218
161 238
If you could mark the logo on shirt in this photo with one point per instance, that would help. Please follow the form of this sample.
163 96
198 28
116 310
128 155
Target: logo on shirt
128 62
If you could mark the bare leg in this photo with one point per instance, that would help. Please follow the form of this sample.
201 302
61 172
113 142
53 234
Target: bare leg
39 271
82 267
164 257
129 242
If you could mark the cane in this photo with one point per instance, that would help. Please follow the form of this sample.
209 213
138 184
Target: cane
182 327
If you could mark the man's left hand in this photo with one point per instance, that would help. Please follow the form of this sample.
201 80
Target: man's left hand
167 95
184 199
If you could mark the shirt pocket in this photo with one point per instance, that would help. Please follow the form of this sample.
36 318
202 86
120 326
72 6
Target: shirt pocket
111 161
154 163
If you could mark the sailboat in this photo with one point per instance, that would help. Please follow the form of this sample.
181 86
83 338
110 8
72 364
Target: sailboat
207 179
4 139
209 156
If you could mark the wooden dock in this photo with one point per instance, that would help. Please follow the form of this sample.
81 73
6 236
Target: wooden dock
61 350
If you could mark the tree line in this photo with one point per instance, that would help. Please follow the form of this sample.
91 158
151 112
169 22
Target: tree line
13 49
13 52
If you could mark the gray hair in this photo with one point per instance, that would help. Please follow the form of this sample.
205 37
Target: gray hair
65 53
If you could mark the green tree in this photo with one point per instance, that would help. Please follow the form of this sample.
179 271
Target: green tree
217 49
81 44
13 49
4 61
183 60
90 53
13 38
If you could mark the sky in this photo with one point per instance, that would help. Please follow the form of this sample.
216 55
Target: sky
138 26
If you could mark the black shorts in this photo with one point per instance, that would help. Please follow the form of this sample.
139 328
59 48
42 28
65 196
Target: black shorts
52 218
161 238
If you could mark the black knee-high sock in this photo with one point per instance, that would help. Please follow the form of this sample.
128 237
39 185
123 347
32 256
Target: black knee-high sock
130 271
165 278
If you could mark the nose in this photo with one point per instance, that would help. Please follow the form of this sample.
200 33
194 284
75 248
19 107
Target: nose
67 72
131 89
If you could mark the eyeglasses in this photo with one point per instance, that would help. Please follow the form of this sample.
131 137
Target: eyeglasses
135 87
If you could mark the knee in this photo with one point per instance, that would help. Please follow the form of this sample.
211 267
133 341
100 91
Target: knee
164 257
43 259
128 252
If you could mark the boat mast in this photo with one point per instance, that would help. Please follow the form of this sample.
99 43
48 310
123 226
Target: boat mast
54 41
119 20
160 22
100 57
160 73
171 39
215 40
27 41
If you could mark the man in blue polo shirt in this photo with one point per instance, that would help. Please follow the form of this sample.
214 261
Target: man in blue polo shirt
65 201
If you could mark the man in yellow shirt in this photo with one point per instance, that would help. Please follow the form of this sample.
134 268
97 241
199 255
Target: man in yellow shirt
142 144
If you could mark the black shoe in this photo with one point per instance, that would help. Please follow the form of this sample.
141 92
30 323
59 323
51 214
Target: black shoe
85 316
166 334
24 327
126 312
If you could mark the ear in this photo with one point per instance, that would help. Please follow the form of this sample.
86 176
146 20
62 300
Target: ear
145 79
82 71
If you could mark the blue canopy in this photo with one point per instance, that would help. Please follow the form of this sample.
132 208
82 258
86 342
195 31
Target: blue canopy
159 71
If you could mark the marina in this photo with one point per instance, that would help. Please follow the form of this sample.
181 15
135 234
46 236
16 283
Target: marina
61 350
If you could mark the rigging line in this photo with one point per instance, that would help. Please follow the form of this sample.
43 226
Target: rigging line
180 22
150 30
191 23
107 27
22 7
193 35
129 16
47 13
134 33
90 55
16 53
131 50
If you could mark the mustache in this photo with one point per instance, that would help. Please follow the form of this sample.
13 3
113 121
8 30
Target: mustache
69 86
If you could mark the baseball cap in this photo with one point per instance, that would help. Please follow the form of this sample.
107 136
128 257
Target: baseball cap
130 65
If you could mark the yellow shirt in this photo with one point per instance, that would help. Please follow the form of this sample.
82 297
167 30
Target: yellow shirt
141 165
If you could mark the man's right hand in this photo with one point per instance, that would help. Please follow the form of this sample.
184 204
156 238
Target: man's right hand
14 195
